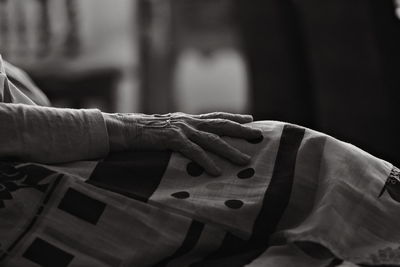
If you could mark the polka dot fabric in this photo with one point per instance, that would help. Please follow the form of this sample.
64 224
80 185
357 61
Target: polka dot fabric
194 169
161 209
246 173
232 199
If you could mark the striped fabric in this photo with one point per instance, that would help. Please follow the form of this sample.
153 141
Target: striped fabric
306 199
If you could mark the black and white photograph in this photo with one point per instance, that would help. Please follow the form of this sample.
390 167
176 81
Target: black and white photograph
199 133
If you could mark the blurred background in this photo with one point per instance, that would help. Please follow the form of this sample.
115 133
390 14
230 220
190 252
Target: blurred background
329 65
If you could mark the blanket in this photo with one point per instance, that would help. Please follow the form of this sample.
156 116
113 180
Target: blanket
306 199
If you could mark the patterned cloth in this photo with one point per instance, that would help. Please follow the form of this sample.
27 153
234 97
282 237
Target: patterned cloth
306 199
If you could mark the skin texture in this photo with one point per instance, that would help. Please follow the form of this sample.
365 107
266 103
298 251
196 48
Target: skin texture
188 134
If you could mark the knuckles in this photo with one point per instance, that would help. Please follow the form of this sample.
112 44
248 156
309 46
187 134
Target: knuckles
212 137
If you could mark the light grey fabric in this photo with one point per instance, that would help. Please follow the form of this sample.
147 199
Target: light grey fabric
332 195
24 83
47 135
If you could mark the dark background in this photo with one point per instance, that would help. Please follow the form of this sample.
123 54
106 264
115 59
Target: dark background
329 65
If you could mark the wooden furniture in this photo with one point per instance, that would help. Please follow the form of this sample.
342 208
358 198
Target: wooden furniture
79 88
50 49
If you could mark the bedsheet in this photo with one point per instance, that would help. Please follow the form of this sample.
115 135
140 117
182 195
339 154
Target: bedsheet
307 199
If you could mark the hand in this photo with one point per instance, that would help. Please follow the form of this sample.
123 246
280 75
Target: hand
188 134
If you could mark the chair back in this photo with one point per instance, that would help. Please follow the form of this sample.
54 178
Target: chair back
35 29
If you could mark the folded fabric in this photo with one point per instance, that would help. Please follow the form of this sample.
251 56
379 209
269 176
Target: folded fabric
306 199
20 79
9 93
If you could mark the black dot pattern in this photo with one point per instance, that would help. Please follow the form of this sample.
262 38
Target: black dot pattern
246 173
256 140
194 169
234 204
181 195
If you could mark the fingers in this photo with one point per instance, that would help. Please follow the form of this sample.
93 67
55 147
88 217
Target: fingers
191 135
215 144
223 127
198 155
239 118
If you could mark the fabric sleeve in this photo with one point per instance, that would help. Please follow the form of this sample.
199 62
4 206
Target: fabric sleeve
21 80
9 93
51 135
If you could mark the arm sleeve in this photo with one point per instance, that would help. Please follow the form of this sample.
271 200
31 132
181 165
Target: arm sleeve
21 80
51 135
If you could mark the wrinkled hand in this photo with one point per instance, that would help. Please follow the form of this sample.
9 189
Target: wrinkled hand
188 134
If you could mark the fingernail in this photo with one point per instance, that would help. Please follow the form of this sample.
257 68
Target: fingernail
248 117
246 159
216 172
258 132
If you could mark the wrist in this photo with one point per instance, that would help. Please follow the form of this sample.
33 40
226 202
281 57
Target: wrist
116 129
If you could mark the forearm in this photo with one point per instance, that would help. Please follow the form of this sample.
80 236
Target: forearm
51 135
